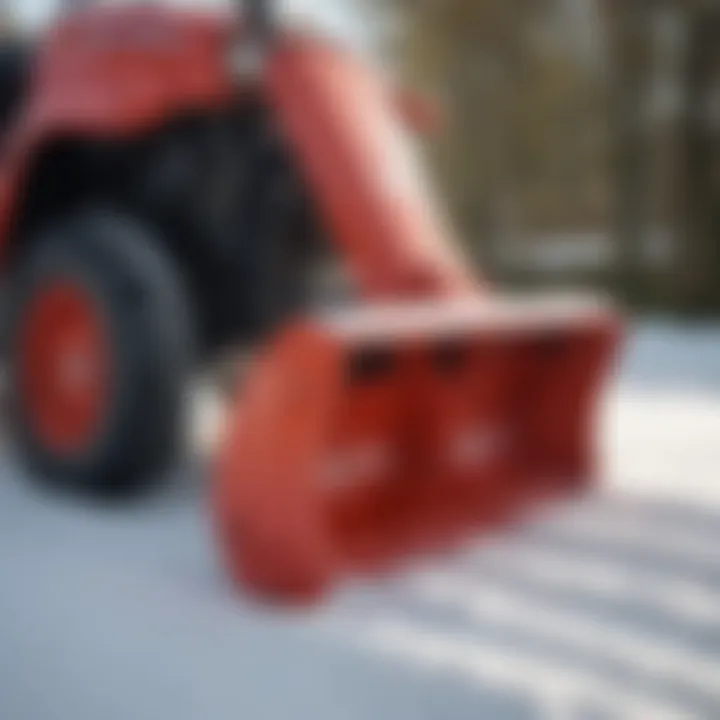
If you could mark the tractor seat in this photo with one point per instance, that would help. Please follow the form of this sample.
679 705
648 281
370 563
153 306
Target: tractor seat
15 65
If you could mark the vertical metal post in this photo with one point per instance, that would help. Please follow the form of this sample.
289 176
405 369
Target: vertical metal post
260 20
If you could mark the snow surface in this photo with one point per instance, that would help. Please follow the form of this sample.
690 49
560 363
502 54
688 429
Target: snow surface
608 609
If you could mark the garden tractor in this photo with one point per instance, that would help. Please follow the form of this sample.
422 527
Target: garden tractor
170 180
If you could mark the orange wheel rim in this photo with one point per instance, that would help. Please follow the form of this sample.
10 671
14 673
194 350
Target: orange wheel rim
64 367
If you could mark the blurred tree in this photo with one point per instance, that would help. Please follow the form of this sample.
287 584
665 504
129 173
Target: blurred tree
698 270
641 73
631 61
525 150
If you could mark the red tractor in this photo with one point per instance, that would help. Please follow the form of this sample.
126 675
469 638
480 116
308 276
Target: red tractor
169 181
151 214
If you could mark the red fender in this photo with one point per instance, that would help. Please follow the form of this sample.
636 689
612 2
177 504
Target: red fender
111 72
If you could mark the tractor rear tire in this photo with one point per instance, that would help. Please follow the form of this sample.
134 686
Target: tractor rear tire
101 351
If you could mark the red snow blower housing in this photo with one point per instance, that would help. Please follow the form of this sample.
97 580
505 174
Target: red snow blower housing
372 435
441 409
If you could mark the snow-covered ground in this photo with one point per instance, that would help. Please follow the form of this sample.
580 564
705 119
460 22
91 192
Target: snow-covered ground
610 609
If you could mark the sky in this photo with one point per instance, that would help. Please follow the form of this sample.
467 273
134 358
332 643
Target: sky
339 14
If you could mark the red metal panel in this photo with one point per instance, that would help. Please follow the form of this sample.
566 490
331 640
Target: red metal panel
344 127
113 71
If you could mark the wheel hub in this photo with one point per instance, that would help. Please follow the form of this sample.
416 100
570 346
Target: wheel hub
64 367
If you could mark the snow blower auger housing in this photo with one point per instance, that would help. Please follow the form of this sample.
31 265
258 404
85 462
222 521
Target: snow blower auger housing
170 180
372 435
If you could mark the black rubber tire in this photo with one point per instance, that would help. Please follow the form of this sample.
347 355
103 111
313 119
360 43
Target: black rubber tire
140 295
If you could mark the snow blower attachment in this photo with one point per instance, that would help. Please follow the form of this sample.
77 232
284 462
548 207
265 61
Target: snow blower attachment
373 434
377 434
